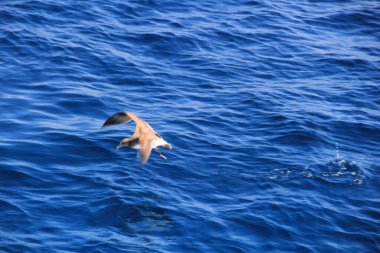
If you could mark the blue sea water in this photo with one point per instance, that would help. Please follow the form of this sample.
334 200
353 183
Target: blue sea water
272 109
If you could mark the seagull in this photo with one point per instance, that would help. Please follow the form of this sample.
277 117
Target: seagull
144 138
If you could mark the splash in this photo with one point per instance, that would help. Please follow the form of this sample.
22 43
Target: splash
337 171
338 157
341 171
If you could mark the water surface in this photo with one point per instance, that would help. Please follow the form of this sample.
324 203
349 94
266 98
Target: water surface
272 109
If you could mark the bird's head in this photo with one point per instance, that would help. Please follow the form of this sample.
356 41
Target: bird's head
167 146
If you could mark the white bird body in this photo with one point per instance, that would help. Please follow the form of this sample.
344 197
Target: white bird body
158 142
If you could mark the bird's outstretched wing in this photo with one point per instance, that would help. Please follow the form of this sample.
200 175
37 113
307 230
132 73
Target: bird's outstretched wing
117 118
145 150
125 117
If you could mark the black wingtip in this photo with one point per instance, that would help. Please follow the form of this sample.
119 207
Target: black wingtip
117 118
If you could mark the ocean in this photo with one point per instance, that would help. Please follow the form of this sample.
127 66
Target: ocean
272 109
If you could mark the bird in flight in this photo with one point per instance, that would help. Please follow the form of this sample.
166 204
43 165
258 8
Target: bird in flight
144 138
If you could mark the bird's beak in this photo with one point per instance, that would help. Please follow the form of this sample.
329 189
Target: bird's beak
117 147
